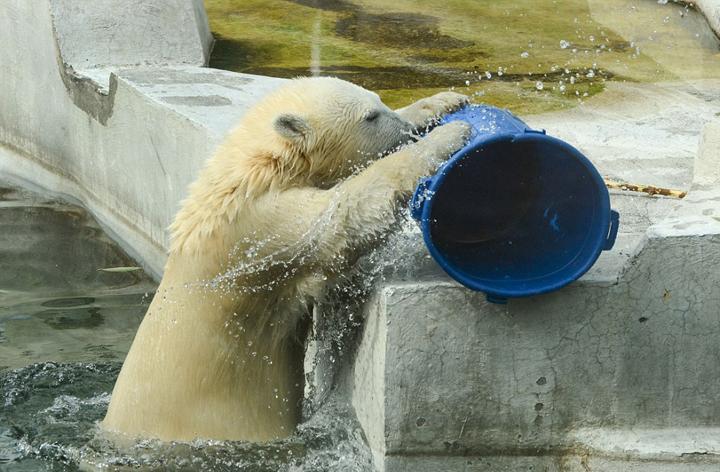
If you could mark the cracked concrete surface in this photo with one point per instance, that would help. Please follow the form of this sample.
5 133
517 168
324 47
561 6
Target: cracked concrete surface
640 133
466 378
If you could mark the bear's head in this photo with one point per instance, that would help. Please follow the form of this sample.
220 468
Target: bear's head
319 130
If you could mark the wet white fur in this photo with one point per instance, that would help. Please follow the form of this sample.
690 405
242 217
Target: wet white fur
278 210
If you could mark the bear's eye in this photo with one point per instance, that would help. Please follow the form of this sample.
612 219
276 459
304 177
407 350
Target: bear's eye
372 116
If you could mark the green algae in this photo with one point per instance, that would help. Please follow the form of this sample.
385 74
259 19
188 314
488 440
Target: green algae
527 55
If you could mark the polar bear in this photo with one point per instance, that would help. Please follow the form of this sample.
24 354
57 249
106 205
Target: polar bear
293 196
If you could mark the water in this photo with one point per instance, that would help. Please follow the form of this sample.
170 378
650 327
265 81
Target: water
497 51
65 327
49 418
58 301
58 306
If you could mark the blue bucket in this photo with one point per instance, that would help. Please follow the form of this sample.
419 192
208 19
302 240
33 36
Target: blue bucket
515 212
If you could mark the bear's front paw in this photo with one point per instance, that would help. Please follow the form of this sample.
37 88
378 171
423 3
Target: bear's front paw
443 103
444 140
428 111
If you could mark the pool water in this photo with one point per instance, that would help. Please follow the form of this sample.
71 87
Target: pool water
49 422
68 293
528 55
66 323
70 303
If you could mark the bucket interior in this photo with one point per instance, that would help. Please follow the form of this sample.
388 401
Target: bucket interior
519 216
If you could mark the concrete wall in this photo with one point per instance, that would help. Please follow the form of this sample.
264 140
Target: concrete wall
120 114
136 33
711 10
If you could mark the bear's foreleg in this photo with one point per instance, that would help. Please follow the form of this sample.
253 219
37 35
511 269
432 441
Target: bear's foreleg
324 228
426 111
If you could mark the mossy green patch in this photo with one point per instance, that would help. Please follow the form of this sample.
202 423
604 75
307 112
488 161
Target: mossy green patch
527 55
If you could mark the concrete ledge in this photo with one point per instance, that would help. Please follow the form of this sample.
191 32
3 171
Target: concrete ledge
106 33
442 372
640 133
127 150
569 461
92 38
711 10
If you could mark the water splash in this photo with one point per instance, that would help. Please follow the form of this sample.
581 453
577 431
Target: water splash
50 417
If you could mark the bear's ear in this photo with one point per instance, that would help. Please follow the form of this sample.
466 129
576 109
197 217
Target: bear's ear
292 127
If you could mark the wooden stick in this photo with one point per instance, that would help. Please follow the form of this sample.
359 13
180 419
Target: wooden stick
649 189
